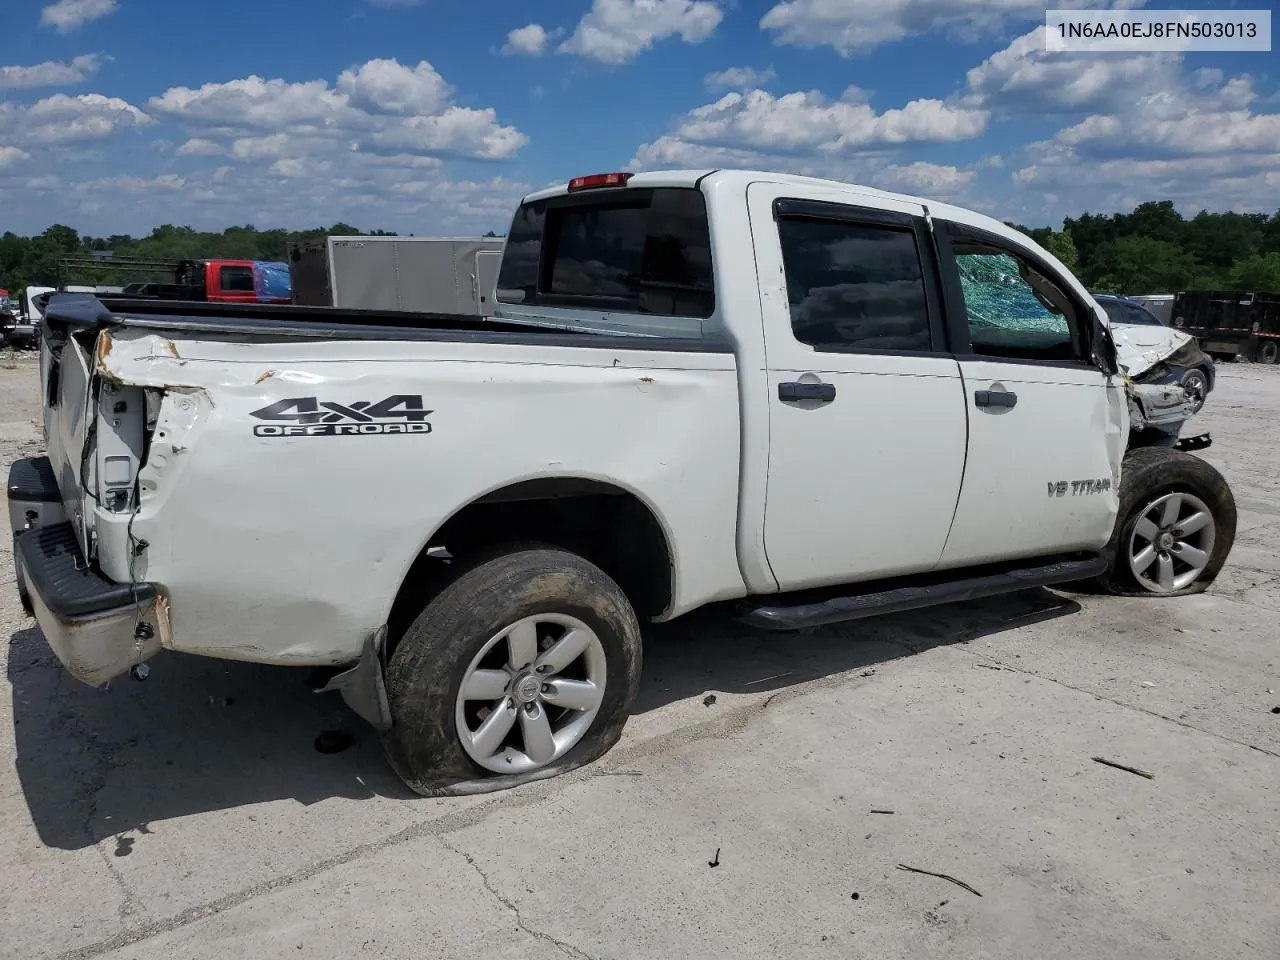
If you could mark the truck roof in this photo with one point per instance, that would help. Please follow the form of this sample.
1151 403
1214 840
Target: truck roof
735 178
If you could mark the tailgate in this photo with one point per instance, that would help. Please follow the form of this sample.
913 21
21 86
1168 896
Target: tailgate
68 414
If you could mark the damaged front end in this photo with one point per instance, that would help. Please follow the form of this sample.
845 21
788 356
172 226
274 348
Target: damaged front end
1162 397
1160 405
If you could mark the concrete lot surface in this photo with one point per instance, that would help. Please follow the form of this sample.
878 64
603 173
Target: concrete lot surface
191 817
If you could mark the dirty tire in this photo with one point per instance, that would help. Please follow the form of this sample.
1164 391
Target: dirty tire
426 669
1269 352
1147 474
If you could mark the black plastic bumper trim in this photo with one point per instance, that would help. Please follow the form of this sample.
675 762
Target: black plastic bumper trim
886 597
56 571
32 480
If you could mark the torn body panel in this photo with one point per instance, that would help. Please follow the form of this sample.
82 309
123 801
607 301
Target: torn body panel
1159 406
1156 360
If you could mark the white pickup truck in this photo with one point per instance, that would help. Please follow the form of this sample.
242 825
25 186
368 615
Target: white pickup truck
818 400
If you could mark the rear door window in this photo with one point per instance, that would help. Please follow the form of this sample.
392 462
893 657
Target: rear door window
630 250
855 286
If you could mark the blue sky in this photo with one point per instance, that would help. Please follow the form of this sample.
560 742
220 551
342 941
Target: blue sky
434 116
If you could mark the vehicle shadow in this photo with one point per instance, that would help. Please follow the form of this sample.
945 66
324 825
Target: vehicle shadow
202 735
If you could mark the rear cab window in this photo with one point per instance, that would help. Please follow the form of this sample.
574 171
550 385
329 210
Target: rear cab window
626 250
236 279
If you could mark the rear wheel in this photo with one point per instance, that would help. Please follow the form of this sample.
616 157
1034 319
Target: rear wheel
1269 352
524 667
1176 526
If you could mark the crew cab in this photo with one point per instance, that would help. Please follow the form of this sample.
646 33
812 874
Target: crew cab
811 400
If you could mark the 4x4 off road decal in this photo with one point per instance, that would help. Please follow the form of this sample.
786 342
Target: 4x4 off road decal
313 417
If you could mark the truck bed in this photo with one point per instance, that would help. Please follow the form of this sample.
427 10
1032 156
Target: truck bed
335 323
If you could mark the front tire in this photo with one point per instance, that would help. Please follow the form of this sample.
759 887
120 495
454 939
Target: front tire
524 667
1196 383
1269 352
1175 528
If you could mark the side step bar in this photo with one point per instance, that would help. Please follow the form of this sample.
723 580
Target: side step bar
910 593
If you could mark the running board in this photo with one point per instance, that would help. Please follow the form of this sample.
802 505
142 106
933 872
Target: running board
910 593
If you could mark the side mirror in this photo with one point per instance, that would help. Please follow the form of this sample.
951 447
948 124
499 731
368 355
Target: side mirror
1104 348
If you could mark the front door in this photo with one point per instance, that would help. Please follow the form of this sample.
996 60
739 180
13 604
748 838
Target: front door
1042 473
866 410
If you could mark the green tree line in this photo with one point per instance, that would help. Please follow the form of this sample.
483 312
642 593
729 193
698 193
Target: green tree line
1154 249
35 260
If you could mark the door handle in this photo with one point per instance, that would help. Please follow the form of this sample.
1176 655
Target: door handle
995 398
823 392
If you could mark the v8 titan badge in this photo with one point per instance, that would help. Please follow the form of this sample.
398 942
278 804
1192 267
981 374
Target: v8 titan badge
313 417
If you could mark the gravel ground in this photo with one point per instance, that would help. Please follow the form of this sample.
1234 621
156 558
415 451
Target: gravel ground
190 816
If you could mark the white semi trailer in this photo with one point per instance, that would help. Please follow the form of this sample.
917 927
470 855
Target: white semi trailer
418 274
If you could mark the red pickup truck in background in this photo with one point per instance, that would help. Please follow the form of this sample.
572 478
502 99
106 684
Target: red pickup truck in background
214 280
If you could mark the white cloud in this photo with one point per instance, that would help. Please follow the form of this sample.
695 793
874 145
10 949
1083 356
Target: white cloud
165 182
405 194
739 78
1188 115
256 148
253 102
61 119
1025 78
806 123
11 155
938 181
51 73
1197 139
529 41
67 15
459 130
1050 188
928 179
856 26
615 31
200 147
381 105
384 86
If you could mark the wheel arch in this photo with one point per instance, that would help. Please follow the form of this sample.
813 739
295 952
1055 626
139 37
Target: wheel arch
611 524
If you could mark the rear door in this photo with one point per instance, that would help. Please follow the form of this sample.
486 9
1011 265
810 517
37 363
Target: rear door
867 412
1045 426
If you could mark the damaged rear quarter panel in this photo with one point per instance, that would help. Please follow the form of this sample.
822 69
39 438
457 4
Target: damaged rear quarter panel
291 546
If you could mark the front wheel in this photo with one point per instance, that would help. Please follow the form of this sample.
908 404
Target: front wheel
1176 525
1269 352
1196 383
524 667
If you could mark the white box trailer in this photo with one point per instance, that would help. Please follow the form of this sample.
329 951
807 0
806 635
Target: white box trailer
418 274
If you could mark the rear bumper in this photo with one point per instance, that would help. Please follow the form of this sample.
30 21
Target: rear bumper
97 628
